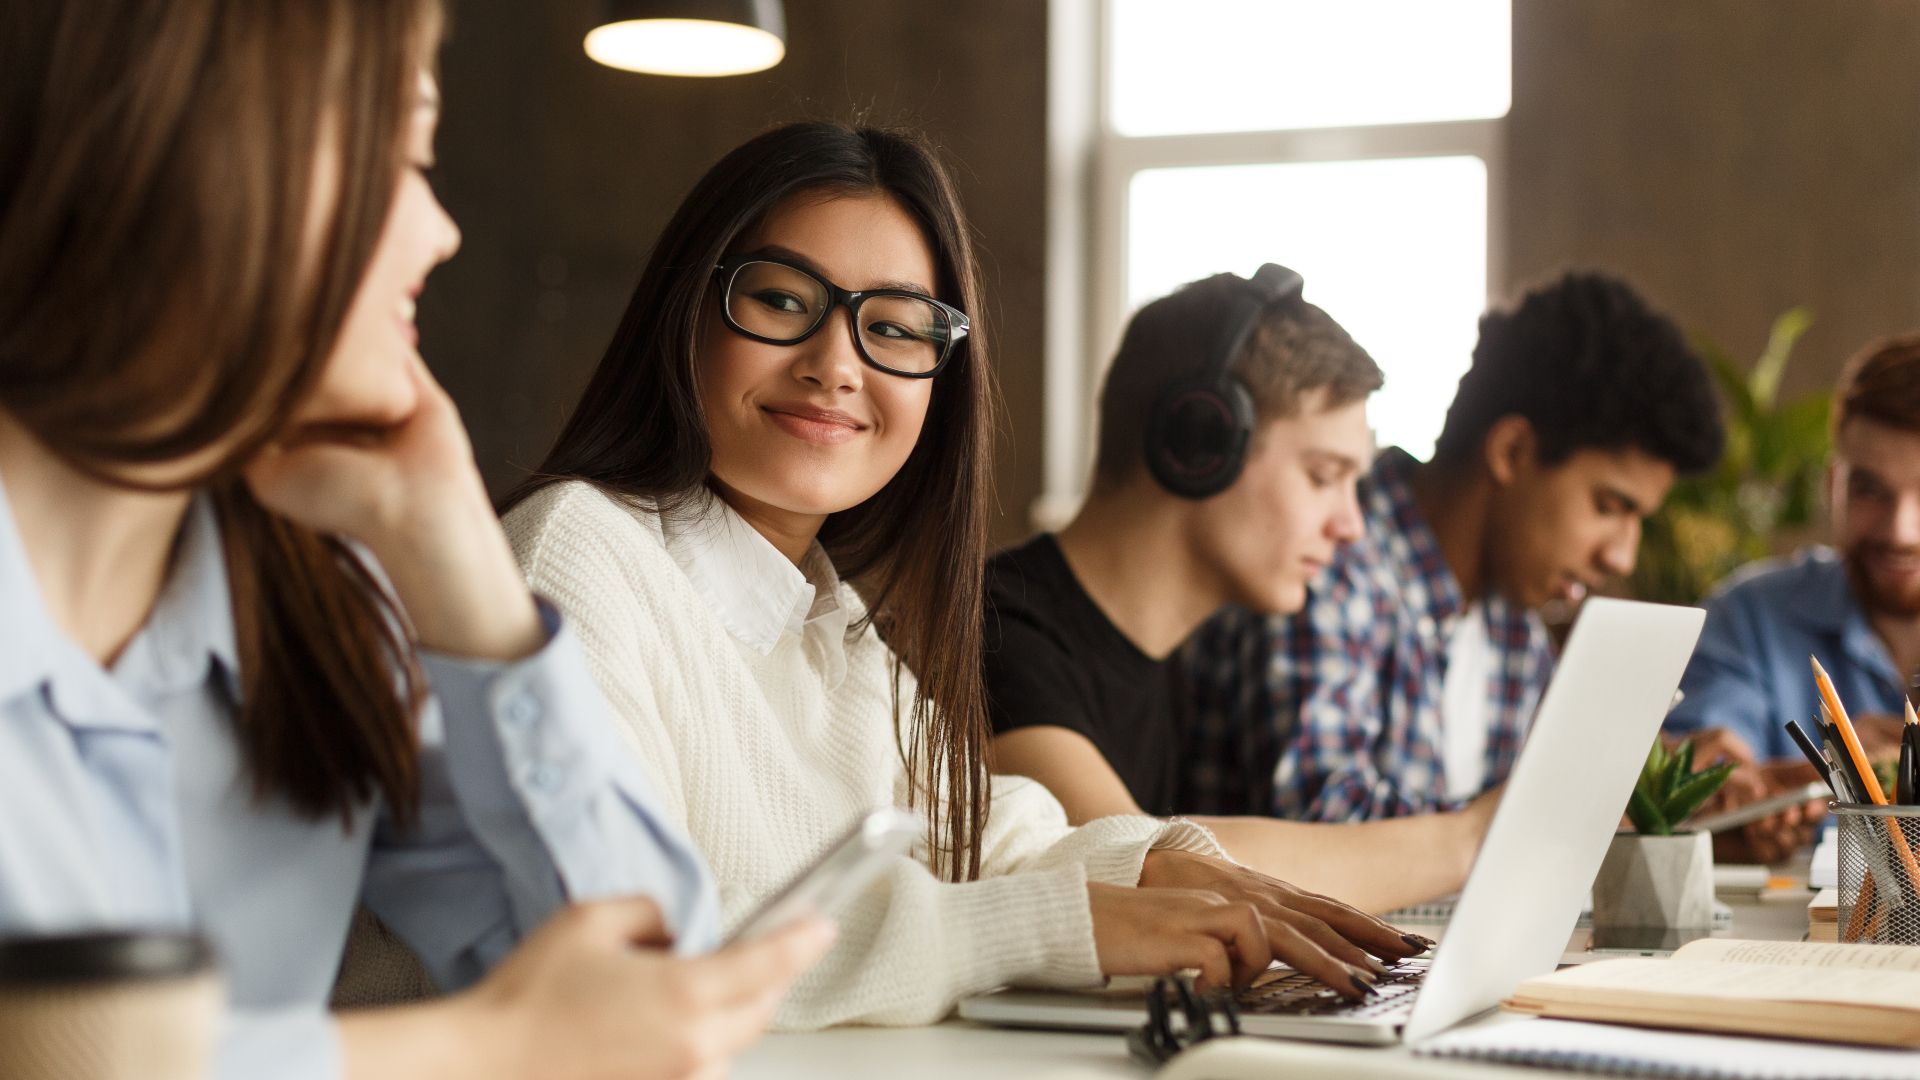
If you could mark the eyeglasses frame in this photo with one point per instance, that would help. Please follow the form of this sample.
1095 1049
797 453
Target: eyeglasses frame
729 268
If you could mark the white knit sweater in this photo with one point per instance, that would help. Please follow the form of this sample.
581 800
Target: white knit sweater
768 751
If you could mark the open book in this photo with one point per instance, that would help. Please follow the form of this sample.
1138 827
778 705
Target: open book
1798 990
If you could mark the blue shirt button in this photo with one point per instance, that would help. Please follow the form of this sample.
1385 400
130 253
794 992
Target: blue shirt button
521 710
543 778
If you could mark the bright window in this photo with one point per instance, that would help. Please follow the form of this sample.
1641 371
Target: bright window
1187 66
1394 249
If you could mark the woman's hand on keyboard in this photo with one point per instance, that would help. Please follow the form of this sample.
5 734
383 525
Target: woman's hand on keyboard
1333 942
1163 931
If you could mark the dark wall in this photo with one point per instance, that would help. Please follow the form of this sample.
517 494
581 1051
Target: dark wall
562 172
1735 158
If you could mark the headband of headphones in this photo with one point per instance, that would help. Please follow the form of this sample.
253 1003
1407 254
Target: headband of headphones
1271 284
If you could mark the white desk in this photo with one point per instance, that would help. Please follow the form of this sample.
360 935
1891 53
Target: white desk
959 1049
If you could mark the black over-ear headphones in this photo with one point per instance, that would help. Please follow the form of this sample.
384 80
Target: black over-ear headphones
1198 433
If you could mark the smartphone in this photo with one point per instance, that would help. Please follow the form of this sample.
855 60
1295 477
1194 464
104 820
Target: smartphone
1767 807
1635 941
847 868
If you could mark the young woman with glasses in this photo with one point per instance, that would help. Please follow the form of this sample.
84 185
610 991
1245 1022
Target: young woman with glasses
798 402
264 651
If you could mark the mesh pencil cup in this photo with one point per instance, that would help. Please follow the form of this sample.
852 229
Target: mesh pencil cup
1879 873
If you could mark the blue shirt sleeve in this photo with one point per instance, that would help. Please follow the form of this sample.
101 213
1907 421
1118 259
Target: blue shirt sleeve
528 801
296 1043
1724 686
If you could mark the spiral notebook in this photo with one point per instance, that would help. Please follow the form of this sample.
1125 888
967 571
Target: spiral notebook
1622 1051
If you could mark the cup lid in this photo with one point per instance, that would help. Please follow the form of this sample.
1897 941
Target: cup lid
102 956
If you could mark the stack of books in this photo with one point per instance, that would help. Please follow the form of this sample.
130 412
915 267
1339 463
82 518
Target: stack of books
1823 916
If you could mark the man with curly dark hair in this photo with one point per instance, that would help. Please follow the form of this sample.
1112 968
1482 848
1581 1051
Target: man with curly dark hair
1406 684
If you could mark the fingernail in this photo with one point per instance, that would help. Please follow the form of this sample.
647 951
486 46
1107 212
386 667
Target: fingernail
1375 966
1363 986
1417 942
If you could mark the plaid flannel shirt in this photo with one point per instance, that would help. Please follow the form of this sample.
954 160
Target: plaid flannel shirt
1333 714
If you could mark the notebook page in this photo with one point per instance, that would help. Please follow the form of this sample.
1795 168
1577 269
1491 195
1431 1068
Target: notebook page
1801 954
1745 982
1583 1047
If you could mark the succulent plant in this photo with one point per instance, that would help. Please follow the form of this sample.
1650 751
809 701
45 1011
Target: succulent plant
1669 791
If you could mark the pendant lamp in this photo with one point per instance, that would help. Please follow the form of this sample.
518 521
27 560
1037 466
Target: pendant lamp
689 37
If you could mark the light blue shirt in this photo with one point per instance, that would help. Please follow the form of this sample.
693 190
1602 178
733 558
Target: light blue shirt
1750 674
123 803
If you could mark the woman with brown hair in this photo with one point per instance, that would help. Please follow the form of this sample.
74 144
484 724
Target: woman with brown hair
264 652
798 401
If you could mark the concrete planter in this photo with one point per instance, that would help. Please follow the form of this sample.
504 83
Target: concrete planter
1656 881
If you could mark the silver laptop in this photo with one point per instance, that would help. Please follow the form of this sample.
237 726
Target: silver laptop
1612 687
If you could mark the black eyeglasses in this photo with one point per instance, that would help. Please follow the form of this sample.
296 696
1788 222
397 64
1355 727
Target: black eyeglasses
900 332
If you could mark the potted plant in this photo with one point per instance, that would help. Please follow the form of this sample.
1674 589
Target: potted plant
1654 877
1764 495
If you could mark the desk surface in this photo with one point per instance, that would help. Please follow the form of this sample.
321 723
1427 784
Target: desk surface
958 1049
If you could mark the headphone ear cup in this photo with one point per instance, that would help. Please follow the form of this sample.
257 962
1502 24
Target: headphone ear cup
1197 437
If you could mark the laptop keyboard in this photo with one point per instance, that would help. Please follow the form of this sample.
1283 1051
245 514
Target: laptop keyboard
1295 993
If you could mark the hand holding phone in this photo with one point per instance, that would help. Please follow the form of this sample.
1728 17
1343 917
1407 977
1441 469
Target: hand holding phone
1763 808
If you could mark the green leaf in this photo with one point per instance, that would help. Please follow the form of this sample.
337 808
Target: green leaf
1691 795
1676 775
1653 773
1683 763
1764 383
1731 379
1646 816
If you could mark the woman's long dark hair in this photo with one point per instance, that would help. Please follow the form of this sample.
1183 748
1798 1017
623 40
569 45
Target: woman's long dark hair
161 292
916 548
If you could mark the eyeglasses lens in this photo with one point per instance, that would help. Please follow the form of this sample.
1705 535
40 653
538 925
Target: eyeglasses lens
775 301
784 304
902 333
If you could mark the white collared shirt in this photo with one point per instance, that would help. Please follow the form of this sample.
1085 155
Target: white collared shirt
756 592
690 625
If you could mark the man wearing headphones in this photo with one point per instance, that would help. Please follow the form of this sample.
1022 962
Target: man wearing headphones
1232 431
1406 683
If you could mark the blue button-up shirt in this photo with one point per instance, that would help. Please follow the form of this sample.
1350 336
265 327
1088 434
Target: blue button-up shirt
124 803
1750 675
1333 713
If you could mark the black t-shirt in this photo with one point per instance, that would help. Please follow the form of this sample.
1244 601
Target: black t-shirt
1053 657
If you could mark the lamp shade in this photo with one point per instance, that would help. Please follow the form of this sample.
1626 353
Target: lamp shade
689 37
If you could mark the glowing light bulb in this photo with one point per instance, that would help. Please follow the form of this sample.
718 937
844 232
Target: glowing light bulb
696 47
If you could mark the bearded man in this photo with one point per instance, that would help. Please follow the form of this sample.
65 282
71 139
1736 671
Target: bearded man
1856 605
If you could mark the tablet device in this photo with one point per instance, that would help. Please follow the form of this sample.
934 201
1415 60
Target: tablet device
838 876
1764 808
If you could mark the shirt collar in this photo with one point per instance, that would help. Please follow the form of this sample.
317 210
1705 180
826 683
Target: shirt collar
1389 497
28 637
1823 596
1823 601
755 591
191 625
191 628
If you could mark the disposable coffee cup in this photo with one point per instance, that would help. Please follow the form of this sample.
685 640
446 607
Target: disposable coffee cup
137 1005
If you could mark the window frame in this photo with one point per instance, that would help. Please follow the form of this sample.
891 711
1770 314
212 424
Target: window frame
1091 168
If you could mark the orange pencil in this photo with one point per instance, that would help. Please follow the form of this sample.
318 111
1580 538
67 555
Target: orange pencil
1831 700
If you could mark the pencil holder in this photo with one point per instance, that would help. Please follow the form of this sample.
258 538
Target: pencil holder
1879 873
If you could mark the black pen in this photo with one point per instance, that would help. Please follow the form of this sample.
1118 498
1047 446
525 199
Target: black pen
1843 763
1844 784
1906 781
1903 778
1812 752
